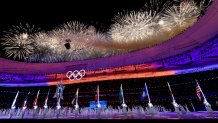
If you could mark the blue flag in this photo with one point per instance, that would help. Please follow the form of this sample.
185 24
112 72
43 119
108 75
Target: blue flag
25 101
144 92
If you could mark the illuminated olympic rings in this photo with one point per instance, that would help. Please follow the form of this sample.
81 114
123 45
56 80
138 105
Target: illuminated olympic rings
72 75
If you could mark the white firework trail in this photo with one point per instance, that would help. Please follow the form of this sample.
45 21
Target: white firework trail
158 6
204 5
73 26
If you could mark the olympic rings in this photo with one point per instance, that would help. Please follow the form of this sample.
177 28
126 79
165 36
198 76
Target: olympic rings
75 74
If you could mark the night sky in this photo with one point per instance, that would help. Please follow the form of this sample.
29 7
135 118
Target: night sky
52 13
46 14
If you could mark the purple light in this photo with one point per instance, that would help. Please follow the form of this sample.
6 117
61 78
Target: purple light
197 69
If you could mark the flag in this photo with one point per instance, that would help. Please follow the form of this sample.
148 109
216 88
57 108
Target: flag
25 101
61 87
121 93
96 95
144 92
76 97
198 91
35 101
77 93
73 101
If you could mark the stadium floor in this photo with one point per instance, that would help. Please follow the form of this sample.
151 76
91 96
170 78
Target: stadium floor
160 115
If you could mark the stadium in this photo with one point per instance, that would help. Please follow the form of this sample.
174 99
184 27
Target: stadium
149 65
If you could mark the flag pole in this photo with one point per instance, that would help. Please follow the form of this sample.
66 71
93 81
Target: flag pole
98 105
58 103
76 105
151 109
25 101
122 94
176 106
171 92
206 103
13 104
35 101
98 93
76 98
149 100
77 92
193 107
121 89
46 100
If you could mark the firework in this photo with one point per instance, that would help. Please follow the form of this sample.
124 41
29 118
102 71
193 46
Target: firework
18 42
158 6
178 18
157 22
82 41
154 25
139 26
72 26
136 26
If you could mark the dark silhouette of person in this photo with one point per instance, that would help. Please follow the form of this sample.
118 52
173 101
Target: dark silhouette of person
67 44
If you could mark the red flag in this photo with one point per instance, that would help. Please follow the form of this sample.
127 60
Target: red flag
198 92
96 95
96 98
24 102
35 101
46 100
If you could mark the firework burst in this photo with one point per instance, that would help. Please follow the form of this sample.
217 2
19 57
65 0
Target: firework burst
139 26
18 42
178 18
136 26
